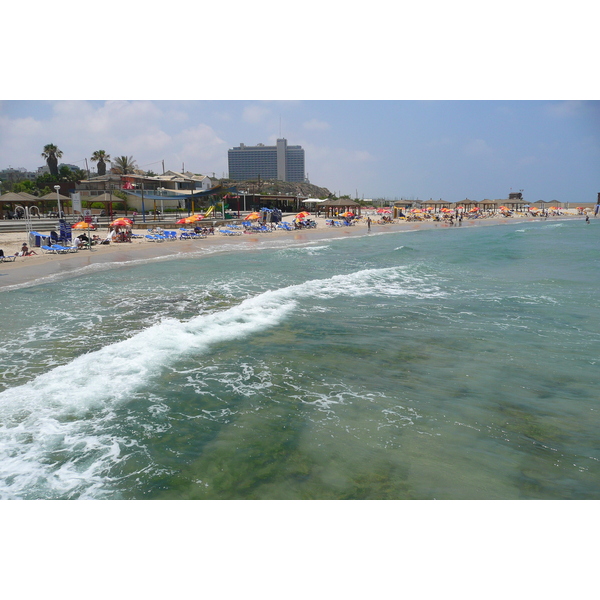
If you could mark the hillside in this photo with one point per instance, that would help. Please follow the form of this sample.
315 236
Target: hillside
277 187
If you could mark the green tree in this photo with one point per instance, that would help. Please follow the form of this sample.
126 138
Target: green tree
67 174
124 165
51 153
101 158
25 186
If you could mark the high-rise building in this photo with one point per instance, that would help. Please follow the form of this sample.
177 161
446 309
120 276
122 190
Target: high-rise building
282 162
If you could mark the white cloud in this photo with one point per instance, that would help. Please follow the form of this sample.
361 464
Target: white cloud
316 125
148 131
201 148
255 114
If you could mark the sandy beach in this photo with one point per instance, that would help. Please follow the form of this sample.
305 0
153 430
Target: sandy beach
40 266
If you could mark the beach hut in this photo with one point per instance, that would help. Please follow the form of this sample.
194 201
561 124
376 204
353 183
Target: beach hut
489 205
437 205
13 203
49 200
339 206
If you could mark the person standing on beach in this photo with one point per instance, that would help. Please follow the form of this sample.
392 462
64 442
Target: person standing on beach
587 218
369 223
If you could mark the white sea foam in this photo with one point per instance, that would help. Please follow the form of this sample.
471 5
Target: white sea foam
62 411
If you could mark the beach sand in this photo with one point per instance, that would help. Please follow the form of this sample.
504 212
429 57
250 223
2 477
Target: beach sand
41 266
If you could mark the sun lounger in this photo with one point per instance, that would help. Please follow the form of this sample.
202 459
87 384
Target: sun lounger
10 258
48 250
60 249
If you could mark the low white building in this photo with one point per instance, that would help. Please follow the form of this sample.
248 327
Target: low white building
174 181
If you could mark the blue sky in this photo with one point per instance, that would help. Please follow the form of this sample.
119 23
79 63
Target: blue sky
373 148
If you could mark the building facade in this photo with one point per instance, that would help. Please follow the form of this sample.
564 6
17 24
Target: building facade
281 162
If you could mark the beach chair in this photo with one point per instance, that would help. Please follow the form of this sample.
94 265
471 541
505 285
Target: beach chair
48 250
59 249
151 238
185 235
10 258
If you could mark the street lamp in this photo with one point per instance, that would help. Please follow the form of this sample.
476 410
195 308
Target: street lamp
57 187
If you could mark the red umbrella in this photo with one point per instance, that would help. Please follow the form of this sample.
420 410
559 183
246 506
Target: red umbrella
122 222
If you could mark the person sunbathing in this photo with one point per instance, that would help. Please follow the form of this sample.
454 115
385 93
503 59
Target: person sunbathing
25 251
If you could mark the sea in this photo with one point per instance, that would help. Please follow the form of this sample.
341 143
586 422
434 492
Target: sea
450 363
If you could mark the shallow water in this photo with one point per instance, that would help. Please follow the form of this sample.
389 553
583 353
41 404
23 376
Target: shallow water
452 364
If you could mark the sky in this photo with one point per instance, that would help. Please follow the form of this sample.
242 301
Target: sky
449 149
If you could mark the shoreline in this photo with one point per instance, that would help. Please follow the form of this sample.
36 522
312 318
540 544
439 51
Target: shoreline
44 268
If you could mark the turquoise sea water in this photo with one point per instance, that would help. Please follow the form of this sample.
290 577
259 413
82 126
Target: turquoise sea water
452 364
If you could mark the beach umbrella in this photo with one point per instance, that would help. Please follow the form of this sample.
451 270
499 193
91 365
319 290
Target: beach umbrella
122 222
347 214
431 208
475 209
82 225
253 216
190 220
460 208
384 211
302 215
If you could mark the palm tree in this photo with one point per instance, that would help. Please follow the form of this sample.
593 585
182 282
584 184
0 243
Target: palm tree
124 165
101 158
51 153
